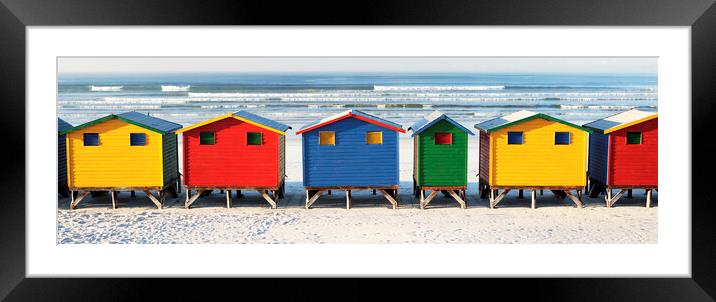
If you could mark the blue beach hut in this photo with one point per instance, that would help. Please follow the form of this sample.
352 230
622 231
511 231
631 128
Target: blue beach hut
62 126
348 151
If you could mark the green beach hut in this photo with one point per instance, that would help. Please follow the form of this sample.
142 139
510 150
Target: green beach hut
439 158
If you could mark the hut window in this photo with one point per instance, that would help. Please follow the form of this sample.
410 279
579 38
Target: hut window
206 138
374 138
443 138
561 138
137 139
633 138
515 138
326 137
254 138
91 139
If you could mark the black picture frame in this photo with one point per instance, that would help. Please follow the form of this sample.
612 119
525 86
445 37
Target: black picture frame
16 15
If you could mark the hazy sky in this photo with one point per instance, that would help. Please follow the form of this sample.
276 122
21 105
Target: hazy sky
76 65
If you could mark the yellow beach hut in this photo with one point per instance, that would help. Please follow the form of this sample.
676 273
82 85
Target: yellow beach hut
531 151
130 151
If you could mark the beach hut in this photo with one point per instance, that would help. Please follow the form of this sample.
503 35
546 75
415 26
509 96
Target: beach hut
351 150
130 151
236 151
439 157
62 126
623 154
531 151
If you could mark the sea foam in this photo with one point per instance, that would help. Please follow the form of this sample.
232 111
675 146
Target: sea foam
175 88
105 88
440 88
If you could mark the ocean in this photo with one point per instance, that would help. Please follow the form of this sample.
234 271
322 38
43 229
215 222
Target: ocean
298 99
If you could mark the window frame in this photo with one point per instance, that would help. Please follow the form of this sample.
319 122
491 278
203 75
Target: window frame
368 142
138 133
522 137
213 138
84 139
261 138
569 138
320 141
641 137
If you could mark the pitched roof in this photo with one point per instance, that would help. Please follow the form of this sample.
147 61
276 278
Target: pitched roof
139 119
354 114
262 120
622 120
62 126
431 119
519 117
246 117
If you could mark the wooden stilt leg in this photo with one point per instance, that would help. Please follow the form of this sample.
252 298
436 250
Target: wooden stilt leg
307 198
520 195
541 192
373 191
186 200
390 198
228 199
457 197
648 198
628 194
192 199
430 197
265 195
154 199
422 199
574 199
534 199
348 199
496 198
492 199
76 200
311 199
114 199
131 193
608 198
329 192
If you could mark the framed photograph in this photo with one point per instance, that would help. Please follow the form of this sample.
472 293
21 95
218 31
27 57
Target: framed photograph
475 149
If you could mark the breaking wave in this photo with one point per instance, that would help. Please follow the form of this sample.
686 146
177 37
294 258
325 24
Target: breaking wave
435 88
175 88
105 88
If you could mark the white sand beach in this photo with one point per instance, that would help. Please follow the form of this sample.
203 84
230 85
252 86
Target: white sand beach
370 220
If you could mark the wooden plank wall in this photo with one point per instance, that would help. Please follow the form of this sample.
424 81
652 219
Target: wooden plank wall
350 162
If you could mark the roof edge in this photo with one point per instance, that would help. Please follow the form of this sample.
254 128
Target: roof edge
229 115
529 118
442 117
113 116
203 123
627 125
349 115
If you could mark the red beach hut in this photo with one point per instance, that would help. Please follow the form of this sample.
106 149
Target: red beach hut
623 154
236 151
